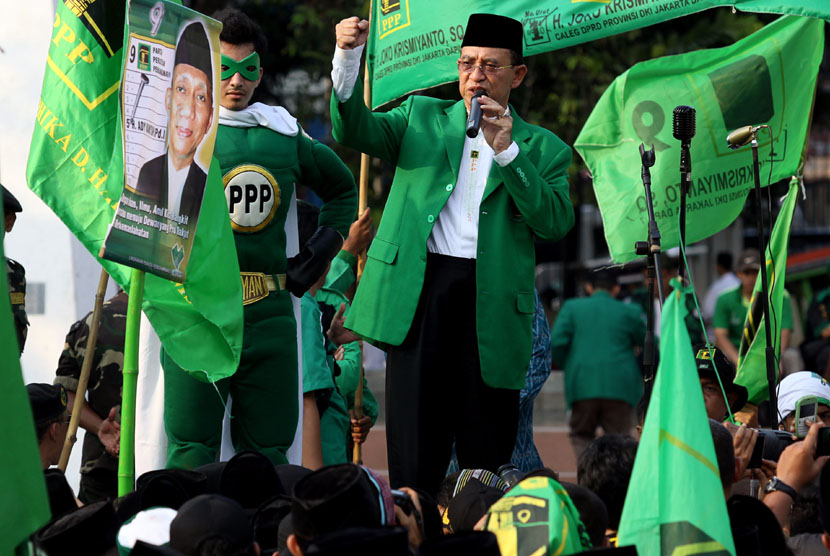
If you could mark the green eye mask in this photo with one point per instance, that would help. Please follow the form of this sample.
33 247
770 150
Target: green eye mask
247 67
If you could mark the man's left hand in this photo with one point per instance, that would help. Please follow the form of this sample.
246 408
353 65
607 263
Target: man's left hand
497 128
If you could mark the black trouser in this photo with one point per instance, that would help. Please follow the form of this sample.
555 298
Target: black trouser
434 391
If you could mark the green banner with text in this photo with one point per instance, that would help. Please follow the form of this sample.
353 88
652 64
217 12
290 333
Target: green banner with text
767 78
413 44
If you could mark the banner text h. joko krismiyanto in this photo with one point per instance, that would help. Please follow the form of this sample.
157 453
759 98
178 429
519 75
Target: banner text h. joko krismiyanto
413 44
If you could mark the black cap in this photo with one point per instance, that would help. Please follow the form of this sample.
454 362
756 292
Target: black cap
266 522
333 498
213 472
704 358
61 497
87 530
470 505
10 202
190 483
362 541
249 478
290 475
210 516
466 543
755 529
494 31
193 48
141 548
48 401
167 488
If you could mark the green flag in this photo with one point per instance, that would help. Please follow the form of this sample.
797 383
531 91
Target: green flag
76 165
413 44
748 83
752 367
25 508
675 502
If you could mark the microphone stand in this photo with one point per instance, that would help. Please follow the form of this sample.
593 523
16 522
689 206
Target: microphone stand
685 187
769 352
683 128
651 249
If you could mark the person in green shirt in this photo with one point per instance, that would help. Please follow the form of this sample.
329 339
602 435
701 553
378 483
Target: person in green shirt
331 370
732 307
594 341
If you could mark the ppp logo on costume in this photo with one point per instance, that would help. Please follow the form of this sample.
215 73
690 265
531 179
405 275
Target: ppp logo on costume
394 15
253 196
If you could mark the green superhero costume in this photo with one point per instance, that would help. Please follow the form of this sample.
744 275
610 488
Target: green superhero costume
261 168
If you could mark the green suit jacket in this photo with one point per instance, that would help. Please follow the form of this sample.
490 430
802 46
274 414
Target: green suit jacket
527 199
593 339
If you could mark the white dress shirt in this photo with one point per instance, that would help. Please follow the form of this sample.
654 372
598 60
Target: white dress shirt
455 231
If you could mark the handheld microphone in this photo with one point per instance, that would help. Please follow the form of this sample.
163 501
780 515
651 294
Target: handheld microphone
683 123
742 136
474 119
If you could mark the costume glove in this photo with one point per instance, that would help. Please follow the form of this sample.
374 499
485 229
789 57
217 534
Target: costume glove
310 263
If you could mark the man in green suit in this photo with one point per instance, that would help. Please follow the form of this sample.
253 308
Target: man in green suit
594 339
448 285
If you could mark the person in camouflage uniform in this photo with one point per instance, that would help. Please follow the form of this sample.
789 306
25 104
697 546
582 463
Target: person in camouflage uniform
101 414
15 271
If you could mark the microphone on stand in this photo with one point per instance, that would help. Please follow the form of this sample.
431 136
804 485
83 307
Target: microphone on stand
683 129
683 124
742 136
474 119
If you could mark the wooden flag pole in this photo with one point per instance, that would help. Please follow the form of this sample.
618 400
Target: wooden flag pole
357 455
83 380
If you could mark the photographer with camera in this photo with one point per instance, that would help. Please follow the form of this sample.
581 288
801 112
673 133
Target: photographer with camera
798 466
796 389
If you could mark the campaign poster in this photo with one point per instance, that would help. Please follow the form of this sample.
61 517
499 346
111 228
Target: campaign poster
170 106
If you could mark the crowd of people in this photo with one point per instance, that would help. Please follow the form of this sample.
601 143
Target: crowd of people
448 294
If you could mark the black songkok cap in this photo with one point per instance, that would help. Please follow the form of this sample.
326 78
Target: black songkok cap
249 478
466 543
494 31
141 548
10 202
333 498
88 530
210 516
48 401
361 541
194 48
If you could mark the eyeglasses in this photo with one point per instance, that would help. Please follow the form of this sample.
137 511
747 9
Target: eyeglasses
465 66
